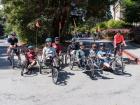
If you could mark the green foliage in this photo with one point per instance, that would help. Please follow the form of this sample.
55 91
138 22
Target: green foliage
22 16
132 10
111 24
115 23
100 8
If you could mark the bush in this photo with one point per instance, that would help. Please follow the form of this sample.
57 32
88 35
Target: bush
111 24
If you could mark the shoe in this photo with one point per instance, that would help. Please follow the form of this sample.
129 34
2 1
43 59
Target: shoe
8 58
28 72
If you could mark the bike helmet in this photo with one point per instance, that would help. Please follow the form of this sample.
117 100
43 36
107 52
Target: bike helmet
49 40
30 47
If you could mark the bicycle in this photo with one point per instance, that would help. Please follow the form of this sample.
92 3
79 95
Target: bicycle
12 59
94 64
72 59
118 58
50 64
117 64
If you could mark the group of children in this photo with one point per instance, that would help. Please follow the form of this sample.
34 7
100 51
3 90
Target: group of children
95 51
50 50
54 49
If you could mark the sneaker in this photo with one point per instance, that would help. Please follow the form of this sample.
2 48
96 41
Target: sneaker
28 72
8 58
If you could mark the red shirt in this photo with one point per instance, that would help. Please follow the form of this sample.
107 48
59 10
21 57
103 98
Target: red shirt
30 56
58 47
118 38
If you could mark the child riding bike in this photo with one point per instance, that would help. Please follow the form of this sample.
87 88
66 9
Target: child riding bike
30 59
49 52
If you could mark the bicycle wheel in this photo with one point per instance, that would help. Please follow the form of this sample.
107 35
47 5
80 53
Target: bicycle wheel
55 75
67 59
12 61
39 66
92 68
117 65
22 70
121 65
23 67
71 64
114 66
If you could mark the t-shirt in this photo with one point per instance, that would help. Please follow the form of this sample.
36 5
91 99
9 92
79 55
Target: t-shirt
80 54
101 52
118 38
12 41
30 55
49 52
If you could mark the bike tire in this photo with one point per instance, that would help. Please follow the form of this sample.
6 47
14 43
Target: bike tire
92 68
22 70
122 65
12 62
55 73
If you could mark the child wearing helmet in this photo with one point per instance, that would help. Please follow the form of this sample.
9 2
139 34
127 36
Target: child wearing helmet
30 58
102 54
81 54
93 50
57 46
48 51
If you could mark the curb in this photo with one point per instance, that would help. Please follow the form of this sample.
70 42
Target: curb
132 56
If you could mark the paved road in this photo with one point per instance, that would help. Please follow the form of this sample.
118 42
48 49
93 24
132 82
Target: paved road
76 87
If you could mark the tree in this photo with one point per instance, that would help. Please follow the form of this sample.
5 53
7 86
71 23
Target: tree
100 8
1 30
132 11
53 16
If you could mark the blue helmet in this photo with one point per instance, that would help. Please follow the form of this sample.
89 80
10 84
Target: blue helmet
30 47
49 40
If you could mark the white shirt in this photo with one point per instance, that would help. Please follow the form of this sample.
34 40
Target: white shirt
48 52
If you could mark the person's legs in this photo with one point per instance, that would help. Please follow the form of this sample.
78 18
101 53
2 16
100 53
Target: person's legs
116 50
106 64
31 64
121 50
8 51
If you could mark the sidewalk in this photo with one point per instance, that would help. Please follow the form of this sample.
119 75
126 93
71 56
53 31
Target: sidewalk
132 51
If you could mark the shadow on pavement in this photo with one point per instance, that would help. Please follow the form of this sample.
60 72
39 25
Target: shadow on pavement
63 77
124 73
98 75
33 72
